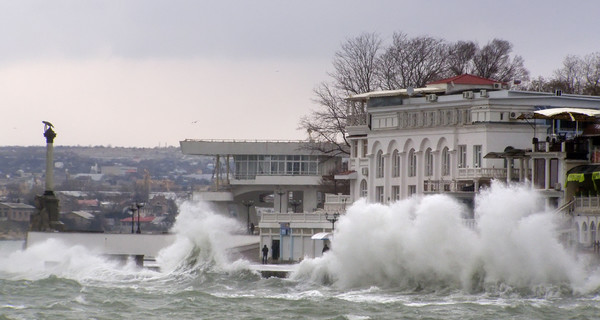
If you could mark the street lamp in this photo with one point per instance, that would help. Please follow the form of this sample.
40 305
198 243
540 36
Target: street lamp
139 205
332 219
248 204
295 203
280 193
132 208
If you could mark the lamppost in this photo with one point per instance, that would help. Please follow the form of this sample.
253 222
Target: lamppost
248 204
132 208
295 203
139 206
280 193
332 219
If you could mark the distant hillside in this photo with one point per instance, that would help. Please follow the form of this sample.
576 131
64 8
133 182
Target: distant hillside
159 162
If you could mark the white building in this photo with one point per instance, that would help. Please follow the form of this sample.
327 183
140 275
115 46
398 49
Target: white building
454 136
274 185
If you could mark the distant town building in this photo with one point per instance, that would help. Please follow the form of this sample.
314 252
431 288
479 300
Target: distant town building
118 170
15 211
77 220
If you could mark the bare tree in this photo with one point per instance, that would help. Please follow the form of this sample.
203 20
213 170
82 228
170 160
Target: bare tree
412 62
493 61
590 68
355 66
460 57
568 77
363 65
326 126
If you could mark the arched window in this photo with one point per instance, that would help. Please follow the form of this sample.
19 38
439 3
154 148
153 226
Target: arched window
363 189
445 161
412 163
584 233
395 163
428 163
380 167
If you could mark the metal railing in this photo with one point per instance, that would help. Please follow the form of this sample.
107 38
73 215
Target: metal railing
587 204
293 217
337 198
497 173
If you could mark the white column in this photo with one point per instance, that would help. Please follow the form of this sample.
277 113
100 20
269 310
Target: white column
420 170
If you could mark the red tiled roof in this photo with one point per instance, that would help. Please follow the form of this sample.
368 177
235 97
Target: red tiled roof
466 79
88 202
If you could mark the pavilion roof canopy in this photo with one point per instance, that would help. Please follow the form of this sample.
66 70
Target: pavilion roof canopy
571 114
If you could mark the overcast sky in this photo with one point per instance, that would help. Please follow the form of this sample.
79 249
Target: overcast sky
148 73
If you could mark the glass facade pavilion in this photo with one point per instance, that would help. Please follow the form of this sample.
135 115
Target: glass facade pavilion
247 167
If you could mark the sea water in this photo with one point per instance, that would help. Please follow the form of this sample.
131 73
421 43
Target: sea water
412 259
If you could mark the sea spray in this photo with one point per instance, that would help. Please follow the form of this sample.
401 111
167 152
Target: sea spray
201 242
422 243
54 258
200 245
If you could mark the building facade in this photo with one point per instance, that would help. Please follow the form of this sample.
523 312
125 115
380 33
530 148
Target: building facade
454 136
275 186
15 211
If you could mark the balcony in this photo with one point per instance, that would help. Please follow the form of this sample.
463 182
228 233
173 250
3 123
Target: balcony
575 149
484 173
337 202
587 205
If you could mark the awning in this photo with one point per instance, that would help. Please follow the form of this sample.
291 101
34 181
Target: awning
509 152
322 236
578 173
572 114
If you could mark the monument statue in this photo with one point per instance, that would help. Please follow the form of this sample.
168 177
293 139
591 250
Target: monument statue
47 216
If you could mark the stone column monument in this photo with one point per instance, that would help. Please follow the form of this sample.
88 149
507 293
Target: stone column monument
46 216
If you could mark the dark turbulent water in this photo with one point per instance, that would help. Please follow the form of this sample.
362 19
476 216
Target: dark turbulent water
413 260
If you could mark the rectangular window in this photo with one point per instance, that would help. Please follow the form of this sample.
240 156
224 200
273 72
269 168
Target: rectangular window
412 189
354 149
379 194
396 164
540 173
395 193
477 156
365 147
412 163
462 156
553 172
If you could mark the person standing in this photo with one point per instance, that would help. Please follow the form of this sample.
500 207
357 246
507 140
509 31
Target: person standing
265 252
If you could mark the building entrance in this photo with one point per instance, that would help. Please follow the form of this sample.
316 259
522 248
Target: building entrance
275 249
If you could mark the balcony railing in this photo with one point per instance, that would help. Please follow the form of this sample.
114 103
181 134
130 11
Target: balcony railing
357 120
588 204
293 217
492 173
576 149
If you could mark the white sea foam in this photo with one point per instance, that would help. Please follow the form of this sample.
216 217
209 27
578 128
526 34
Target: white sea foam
201 243
202 240
422 243
52 257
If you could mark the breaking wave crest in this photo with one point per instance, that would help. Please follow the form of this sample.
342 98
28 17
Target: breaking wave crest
423 243
202 241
